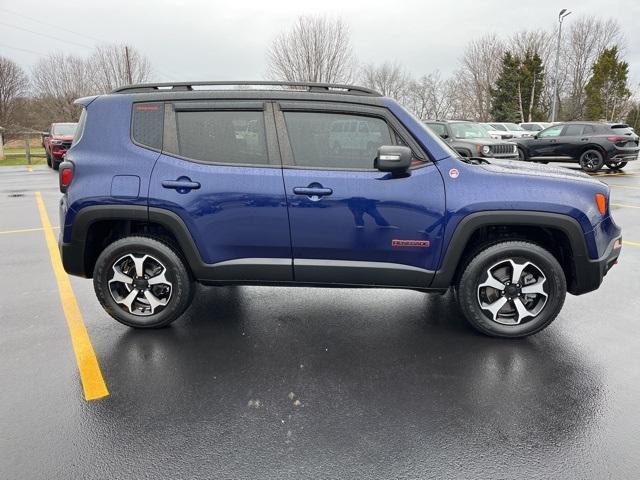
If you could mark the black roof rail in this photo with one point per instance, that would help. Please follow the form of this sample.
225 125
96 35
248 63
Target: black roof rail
188 86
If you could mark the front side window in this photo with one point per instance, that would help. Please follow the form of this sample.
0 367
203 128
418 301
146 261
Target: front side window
221 137
551 132
318 139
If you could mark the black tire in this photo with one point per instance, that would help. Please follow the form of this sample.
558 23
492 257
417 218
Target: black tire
55 165
494 260
521 155
124 250
591 160
616 165
49 160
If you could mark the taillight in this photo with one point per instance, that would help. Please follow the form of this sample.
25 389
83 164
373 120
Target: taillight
617 138
65 175
601 202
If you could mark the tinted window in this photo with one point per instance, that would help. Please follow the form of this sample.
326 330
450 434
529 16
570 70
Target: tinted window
316 143
147 124
551 132
222 137
573 130
438 128
80 128
588 129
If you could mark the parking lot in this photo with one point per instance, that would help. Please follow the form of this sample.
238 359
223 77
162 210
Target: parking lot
258 382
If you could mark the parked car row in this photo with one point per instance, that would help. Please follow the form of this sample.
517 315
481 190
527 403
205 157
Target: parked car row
591 144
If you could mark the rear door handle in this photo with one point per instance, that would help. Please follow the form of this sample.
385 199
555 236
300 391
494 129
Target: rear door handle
312 191
182 184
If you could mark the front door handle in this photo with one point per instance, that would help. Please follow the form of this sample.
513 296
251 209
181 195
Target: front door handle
312 191
181 185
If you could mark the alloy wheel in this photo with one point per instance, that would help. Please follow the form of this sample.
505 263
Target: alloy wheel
139 284
513 292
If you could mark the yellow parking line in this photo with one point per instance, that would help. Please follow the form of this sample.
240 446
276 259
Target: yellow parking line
624 205
24 230
90 374
633 244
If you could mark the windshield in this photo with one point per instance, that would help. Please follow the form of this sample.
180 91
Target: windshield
468 130
64 129
513 126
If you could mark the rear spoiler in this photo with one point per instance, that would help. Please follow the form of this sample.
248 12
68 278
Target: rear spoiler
85 101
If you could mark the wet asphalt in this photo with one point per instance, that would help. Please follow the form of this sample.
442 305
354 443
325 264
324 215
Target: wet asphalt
276 383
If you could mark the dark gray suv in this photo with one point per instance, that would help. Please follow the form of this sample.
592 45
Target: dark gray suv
470 139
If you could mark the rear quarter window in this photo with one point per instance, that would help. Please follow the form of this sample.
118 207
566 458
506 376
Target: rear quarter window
147 124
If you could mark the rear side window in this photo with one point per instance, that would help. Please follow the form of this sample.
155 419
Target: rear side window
221 137
438 128
317 141
573 130
147 124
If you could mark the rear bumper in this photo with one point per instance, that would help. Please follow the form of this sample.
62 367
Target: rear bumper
590 273
623 156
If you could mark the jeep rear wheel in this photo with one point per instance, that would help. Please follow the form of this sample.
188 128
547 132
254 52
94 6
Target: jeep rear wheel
512 289
591 160
142 282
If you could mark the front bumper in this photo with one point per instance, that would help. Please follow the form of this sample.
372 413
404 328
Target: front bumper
590 273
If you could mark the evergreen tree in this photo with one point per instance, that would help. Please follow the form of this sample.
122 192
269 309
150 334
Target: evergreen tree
504 96
607 89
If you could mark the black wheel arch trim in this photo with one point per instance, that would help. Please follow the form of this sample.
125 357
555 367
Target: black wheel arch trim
586 273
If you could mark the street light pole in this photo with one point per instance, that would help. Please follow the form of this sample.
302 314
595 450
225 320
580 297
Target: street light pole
561 16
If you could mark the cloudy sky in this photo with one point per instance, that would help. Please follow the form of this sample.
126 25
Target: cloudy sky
211 39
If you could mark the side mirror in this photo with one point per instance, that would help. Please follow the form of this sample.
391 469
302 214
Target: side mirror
393 158
444 136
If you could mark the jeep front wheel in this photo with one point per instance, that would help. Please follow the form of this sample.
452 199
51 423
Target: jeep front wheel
142 282
512 289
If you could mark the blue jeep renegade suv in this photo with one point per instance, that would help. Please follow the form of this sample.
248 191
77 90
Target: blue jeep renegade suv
316 185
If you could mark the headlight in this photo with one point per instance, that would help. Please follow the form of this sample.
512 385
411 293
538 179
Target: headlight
486 150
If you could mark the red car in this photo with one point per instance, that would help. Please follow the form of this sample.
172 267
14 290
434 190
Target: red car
57 142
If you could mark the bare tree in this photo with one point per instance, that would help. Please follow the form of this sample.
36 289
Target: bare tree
432 97
586 39
13 85
316 49
112 66
481 64
58 80
390 79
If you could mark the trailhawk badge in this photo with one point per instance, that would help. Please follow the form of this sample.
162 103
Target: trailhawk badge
410 243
